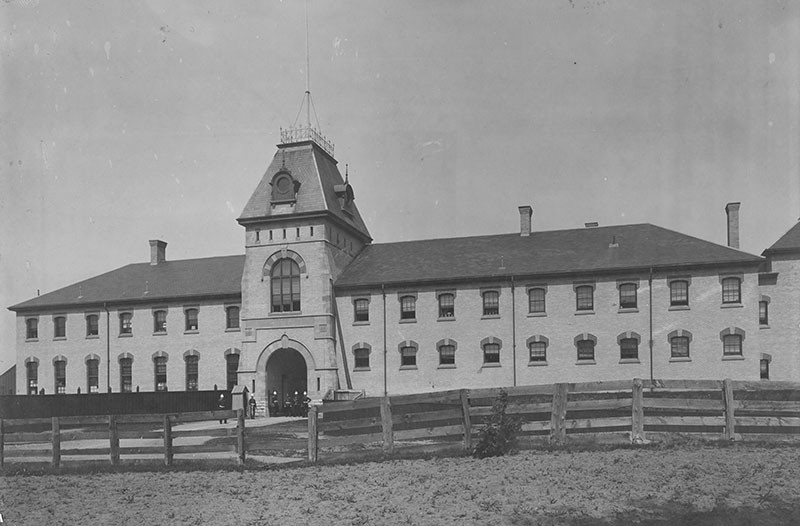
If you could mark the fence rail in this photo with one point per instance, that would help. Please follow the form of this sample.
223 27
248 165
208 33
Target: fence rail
640 409
26 442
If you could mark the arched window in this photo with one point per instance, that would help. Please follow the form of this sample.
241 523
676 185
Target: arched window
537 350
447 352
32 373
192 360
285 279
160 370
60 371
231 368
408 355
491 351
585 344
92 374
126 373
361 352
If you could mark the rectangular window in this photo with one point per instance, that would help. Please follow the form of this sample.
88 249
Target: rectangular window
731 290
92 375
538 352
732 345
232 318
763 313
231 370
491 353
60 367
536 303
160 368
408 308
32 369
408 357
192 377
627 296
126 375
126 323
447 355
678 293
764 367
191 319
679 347
92 325
59 327
361 358
447 305
160 321
584 297
361 307
491 303
585 350
32 329
629 349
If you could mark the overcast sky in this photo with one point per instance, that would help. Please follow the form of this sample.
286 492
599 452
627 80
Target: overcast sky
127 121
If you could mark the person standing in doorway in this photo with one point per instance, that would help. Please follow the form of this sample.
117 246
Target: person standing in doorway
221 406
252 404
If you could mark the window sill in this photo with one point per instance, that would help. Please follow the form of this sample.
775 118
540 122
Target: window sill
233 329
629 360
160 333
31 340
586 362
191 332
679 307
732 358
677 360
408 367
447 366
408 320
360 369
537 364
584 312
489 365
60 339
731 306
446 318
93 337
763 326
490 317
625 310
286 314
537 315
362 322
126 335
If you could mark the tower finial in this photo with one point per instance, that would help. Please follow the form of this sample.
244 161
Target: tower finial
308 73
346 172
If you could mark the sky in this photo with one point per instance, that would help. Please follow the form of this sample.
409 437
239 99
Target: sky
122 122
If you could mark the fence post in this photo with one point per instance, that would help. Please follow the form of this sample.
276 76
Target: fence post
467 420
2 443
558 432
313 437
730 422
113 438
167 441
240 435
56 438
637 412
386 424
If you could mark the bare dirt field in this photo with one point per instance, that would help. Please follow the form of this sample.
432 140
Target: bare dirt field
685 484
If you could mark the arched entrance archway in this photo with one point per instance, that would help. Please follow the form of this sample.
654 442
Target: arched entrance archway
287 374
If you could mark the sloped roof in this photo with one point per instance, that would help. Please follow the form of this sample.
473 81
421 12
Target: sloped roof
542 253
789 242
318 175
138 282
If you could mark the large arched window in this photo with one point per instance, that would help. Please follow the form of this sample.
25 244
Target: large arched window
285 280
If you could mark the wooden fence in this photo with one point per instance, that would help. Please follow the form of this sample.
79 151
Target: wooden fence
44 437
639 410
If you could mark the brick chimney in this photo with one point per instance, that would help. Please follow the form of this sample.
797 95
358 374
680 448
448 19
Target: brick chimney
525 214
158 251
732 210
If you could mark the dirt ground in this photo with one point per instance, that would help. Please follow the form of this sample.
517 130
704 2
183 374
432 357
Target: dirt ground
696 484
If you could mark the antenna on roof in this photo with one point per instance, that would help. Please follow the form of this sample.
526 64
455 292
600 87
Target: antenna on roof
308 73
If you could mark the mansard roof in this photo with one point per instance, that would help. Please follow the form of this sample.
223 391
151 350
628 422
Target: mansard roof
214 277
318 177
559 252
788 243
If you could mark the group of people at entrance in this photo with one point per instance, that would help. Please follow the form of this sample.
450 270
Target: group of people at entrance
294 405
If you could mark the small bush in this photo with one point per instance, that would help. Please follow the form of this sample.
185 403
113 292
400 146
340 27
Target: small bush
499 436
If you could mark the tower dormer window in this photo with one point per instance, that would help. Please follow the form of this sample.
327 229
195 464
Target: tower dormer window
284 187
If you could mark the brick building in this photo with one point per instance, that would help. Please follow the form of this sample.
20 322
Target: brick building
314 305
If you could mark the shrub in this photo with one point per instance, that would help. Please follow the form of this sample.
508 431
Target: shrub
499 436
